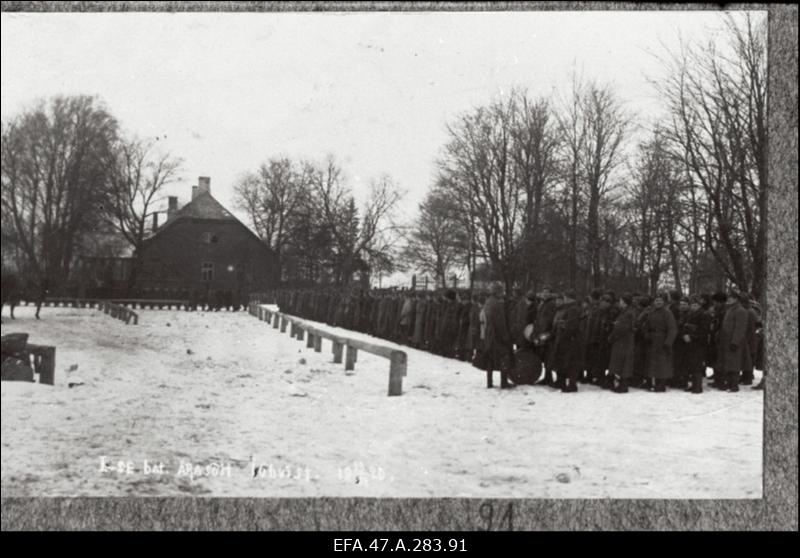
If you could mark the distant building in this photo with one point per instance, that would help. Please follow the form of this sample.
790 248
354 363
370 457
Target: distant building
203 248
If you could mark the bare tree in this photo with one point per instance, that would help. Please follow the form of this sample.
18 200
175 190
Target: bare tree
271 197
139 172
653 209
357 235
606 124
536 141
437 242
55 168
717 101
477 164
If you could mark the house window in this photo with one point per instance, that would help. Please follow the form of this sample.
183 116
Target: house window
208 271
209 238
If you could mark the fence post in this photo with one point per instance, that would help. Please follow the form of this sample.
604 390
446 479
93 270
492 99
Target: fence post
300 333
277 323
397 369
350 358
318 343
337 352
310 340
284 321
47 373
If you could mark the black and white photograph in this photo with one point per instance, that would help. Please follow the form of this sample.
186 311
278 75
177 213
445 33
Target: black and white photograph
401 254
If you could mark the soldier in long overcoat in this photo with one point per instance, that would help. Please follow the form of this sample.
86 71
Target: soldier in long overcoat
545 315
419 319
474 345
680 366
660 331
447 327
407 317
621 339
694 333
732 342
567 357
497 342
752 341
431 322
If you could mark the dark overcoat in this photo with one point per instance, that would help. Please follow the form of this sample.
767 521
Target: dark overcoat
697 326
419 321
660 331
497 341
732 341
621 339
567 355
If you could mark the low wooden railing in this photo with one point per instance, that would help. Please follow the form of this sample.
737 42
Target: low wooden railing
132 302
120 312
341 346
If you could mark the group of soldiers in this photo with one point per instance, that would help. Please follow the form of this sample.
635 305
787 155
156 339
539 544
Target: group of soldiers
558 339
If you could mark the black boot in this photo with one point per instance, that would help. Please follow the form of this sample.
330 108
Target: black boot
504 383
733 382
569 386
619 385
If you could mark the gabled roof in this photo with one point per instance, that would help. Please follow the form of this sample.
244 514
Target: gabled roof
204 206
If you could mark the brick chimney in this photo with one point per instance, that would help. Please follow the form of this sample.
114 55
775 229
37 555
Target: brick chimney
172 207
203 184
155 221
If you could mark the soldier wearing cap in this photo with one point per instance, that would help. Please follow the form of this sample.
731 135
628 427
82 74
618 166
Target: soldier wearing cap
545 334
695 330
660 331
567 356
732 344
497 343
621 338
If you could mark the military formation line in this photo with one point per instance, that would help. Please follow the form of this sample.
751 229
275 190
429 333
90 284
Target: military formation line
558 339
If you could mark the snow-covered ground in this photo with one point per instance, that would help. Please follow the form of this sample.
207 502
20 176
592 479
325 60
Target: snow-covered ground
278 419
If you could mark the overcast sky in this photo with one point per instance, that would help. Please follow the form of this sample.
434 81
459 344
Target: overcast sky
228 91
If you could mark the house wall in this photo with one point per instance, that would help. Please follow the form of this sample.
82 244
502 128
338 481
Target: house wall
175 258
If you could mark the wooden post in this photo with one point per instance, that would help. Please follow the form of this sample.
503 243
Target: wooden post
350 358
284 322
318 343
277 324
44 362
397 369
300 333
310 340
135 319
337 352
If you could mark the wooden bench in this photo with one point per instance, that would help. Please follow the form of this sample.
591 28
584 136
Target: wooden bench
341 346
120 312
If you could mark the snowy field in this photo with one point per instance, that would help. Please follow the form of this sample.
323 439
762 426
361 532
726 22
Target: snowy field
220 404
